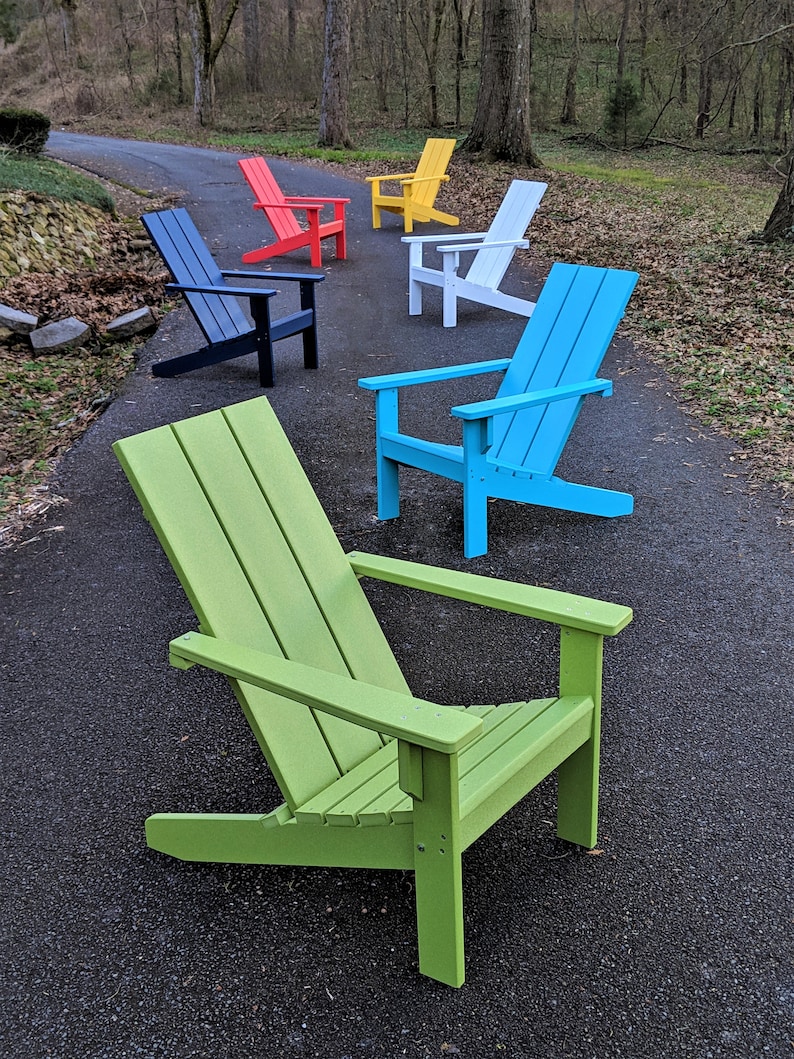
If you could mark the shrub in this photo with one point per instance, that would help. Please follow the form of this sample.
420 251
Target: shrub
23 130
624 111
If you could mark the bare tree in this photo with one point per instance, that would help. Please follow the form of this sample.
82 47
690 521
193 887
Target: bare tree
427 23
568 116
252 45
334 104
781 220
69 25
501 126
205 45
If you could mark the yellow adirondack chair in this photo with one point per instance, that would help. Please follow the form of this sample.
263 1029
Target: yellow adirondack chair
418 189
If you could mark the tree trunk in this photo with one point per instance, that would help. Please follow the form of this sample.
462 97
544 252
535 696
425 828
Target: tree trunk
704 99
180 76
69 26
427 25
781 220
501 126
620 73
252 44
205 47
568 116
334 104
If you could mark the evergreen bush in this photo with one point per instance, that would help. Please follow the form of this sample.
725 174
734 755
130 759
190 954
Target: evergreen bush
25 131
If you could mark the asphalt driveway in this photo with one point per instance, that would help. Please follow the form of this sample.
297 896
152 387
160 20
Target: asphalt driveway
673 939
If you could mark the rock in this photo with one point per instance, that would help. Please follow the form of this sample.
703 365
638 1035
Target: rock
62 334
131 323
18 322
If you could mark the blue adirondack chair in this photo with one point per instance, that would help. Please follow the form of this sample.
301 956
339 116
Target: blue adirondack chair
512 443
214 303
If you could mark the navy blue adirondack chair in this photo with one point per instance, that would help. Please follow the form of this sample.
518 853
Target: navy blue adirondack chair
213 302
512 443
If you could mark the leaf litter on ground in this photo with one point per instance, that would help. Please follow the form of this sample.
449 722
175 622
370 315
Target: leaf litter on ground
713 307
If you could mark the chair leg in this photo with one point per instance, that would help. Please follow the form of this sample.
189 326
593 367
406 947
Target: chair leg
581 656
414 286
388 488
476 443
341 235
260 310
414 297
316 254
388 471
310 358
450 294
439 871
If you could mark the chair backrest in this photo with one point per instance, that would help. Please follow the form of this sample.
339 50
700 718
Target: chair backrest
188 259
261 565
266 190
564 342
510 222
433 162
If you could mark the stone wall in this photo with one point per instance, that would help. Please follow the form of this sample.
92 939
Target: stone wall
39 234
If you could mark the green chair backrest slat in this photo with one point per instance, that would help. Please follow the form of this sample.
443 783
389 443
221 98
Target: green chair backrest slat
224 492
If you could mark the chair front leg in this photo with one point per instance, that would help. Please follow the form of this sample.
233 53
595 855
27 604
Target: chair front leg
341 235
450 298
477 435
414 286
310 333
408 207
439 870
388 472
260 311
375 207
581 659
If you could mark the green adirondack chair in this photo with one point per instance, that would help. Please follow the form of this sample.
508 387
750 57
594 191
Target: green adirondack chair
371 775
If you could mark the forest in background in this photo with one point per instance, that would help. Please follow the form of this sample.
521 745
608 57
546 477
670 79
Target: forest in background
714 305
630 72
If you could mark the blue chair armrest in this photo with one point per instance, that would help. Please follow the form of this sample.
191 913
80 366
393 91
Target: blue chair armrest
301 277
500 405
207 288
413 378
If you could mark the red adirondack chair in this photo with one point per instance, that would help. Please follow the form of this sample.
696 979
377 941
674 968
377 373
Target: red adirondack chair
281 211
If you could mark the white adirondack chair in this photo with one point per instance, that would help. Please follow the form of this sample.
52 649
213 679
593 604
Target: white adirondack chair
493 249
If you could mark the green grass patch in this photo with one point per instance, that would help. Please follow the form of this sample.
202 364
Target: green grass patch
46 177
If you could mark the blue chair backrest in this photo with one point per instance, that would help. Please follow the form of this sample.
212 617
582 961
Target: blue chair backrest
186 254
564 342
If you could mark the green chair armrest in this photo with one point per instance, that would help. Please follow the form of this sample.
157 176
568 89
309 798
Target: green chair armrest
545 604
416 721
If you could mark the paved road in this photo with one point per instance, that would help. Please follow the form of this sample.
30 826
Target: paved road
674 941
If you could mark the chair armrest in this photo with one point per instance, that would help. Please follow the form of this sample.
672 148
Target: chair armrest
500 405
300 277
237 292
442 238
413 378
291 206
544 604
519 244
310 200
423 179
391 176
416 721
